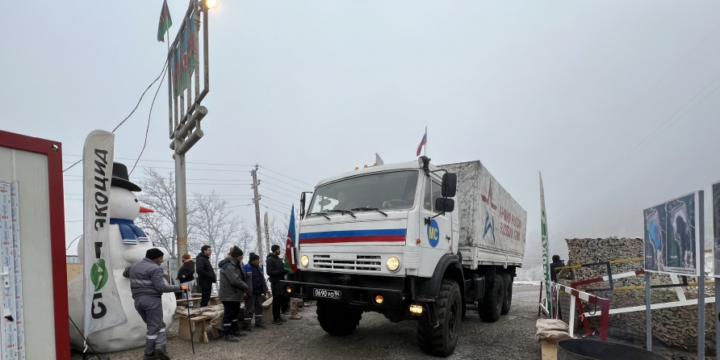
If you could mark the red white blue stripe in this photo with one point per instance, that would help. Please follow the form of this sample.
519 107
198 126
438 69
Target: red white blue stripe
423 142
353 236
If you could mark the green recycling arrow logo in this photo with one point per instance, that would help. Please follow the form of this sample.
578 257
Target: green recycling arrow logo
99 274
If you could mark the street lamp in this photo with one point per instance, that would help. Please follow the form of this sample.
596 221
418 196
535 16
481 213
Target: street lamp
210 4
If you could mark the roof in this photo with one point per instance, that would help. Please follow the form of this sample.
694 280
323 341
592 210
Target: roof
409 165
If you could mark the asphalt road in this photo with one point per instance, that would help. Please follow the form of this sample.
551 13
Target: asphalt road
511 337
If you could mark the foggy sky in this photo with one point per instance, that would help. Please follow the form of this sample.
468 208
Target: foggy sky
614 101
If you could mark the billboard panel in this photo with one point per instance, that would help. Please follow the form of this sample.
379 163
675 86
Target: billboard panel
671 242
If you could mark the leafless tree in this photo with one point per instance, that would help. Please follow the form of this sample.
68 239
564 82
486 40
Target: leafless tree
214 224
159 195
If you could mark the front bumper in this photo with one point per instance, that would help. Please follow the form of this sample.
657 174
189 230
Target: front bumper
361 298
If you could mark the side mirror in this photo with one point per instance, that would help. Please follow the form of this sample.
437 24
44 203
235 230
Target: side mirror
302 205
449 185
444 205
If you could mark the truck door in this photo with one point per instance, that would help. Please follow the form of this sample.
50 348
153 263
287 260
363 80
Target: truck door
437 235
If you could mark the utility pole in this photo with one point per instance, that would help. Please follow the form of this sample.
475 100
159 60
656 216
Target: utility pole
257 212
267 239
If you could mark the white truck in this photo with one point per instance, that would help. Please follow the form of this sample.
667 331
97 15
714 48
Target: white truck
391 239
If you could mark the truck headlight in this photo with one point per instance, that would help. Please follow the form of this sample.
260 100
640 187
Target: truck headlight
304 260
393 264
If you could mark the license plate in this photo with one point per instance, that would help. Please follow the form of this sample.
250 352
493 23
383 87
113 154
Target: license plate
329 294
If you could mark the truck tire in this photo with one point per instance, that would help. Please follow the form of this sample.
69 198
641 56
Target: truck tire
492 303
337 320
442 340
508 282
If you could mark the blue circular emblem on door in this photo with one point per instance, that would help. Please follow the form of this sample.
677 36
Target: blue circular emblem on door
433 233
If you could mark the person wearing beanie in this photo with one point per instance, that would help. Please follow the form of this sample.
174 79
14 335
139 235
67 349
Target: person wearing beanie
147 285
257 287
276 271
186 276
233 285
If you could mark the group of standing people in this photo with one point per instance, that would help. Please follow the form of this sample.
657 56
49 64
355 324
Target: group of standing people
246 283
238 283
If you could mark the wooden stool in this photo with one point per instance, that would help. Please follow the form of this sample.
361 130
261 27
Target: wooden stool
199 324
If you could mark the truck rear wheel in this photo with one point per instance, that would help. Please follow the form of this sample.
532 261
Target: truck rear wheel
337 320
492 303
442 340
508 282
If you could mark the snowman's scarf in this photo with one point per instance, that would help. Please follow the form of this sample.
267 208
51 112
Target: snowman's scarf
129 231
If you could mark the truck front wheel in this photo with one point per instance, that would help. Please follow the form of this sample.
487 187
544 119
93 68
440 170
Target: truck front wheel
442 340
337 320
492 302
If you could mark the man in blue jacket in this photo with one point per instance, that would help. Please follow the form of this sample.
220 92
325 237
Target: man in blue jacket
147 285
256 288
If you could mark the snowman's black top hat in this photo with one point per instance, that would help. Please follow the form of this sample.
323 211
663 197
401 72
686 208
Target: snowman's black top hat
121 179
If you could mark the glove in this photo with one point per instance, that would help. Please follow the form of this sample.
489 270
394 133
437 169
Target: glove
184 287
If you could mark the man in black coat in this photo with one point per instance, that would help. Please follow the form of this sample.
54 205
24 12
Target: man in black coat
205 274
276 271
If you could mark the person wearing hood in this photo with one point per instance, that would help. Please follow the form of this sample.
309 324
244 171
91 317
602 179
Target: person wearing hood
147 286
205 274
256 288
186 276
233 286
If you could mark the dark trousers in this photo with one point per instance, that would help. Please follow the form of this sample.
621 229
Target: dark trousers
253 306
205 288
232 309
278 301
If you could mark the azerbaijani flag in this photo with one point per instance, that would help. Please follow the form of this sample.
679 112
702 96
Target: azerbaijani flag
423 142
165 22
290 263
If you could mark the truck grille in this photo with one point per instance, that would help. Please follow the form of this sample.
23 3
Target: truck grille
360 263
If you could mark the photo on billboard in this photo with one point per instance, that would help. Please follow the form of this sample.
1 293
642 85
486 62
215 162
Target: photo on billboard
716 227
671 243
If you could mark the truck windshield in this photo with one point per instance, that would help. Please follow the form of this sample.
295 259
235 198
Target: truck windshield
391 191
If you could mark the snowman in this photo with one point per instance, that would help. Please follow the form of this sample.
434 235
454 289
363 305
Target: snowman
127 246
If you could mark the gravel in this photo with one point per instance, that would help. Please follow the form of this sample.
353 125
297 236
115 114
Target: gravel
511 337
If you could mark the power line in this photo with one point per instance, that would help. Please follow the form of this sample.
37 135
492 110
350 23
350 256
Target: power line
302 182
132 112
292 197
279 187
68 247
147 129
287 183
274 201
172 161
643 143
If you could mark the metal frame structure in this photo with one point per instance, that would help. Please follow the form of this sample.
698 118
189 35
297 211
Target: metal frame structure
185 109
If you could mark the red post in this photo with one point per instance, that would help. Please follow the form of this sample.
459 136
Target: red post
604 318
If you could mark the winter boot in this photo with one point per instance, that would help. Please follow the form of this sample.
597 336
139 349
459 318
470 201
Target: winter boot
294 310
236 330
230 338
247 326
161 353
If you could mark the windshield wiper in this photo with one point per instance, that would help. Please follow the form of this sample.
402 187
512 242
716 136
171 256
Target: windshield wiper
369 209
343 212
319 213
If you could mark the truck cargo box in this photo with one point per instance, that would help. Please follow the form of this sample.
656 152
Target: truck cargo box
490 218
